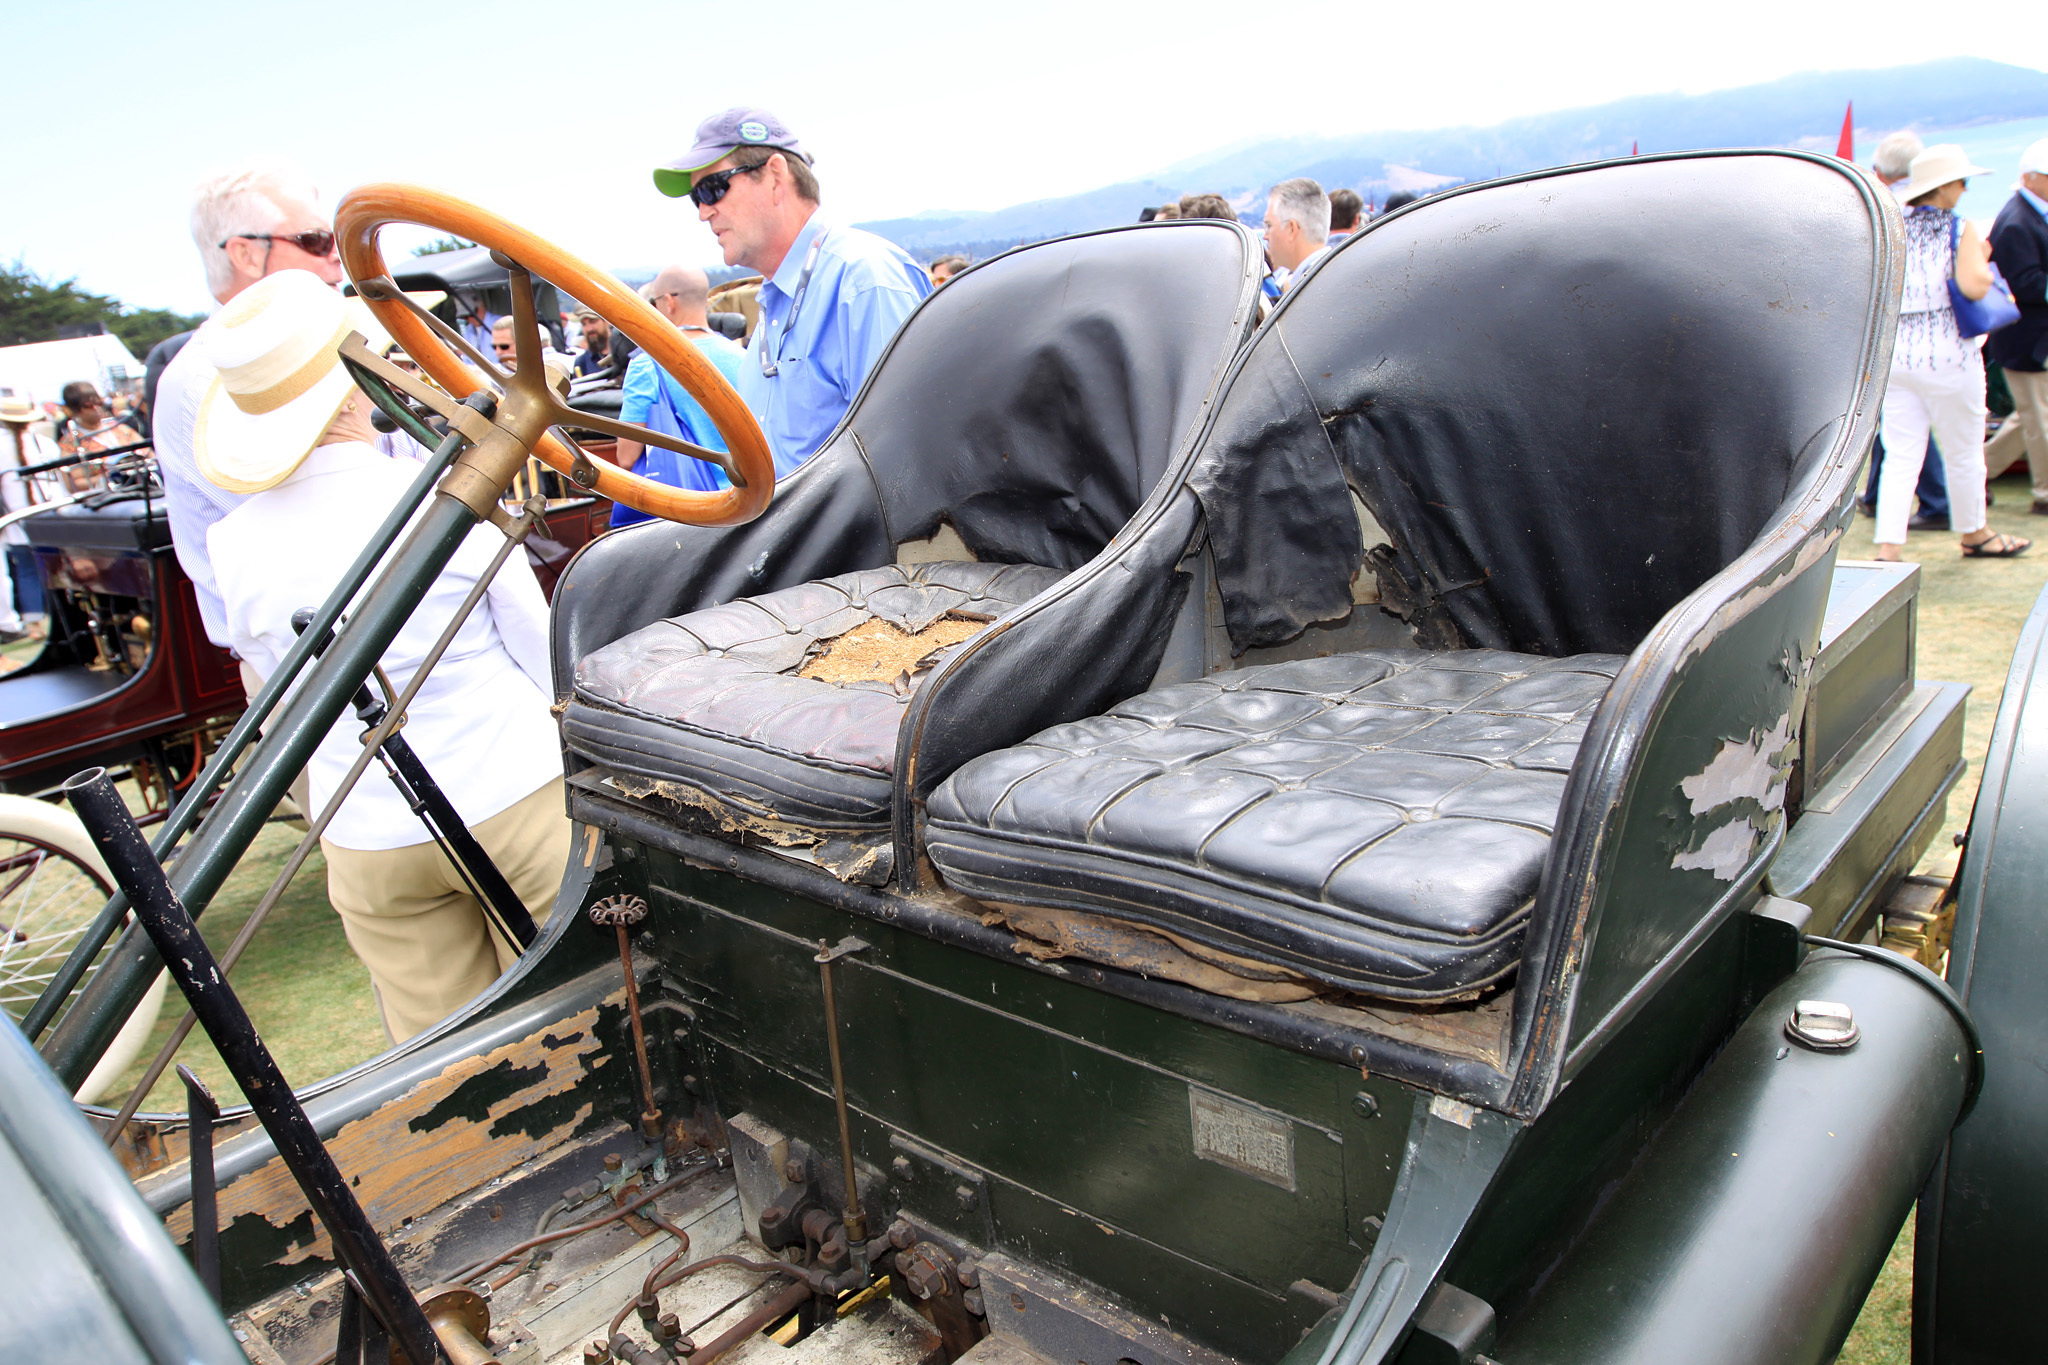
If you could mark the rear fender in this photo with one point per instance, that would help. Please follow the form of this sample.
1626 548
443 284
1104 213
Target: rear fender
1758 1218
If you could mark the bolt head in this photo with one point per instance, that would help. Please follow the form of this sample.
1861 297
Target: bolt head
613 1162
966 1195
793 1171
1823 1025
1365 1105
900 1168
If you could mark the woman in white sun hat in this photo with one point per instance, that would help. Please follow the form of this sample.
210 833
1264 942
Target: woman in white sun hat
284 423
1937 378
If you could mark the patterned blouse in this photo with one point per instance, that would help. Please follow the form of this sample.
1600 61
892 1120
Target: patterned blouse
1929 340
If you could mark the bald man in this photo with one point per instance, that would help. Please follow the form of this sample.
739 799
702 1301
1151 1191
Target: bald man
654 399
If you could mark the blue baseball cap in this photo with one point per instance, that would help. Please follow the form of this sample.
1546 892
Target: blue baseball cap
720 135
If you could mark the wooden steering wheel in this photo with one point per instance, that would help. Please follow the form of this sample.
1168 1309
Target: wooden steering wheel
530 404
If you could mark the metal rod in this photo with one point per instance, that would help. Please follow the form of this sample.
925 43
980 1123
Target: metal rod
348 1330
191 964
777 1308
650 1117
200 1106
493 892
856 1221
622 912
238 738
372 742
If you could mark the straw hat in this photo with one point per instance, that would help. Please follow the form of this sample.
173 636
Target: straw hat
277 346
18 410
1935 167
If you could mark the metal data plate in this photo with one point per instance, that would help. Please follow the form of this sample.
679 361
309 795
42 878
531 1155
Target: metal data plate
1242 1136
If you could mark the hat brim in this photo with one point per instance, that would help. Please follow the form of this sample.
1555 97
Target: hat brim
1913 189
675 179
246 452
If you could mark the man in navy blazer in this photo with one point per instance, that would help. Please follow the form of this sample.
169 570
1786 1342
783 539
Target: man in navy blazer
2019 248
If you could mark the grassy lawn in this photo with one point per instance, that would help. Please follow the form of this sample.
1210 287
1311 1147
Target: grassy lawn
1970 617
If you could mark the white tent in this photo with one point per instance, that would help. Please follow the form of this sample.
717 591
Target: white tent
39 371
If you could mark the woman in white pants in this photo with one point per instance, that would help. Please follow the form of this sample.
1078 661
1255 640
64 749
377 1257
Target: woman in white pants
1937 378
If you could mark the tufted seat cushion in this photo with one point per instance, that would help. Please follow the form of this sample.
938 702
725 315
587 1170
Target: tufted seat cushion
709 708
1377 821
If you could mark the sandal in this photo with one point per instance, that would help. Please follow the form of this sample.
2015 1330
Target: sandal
2000 546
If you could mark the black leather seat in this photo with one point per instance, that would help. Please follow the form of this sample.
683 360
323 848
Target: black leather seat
1018 423
1376 821
710 704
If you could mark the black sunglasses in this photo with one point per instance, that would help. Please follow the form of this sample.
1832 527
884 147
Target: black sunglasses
707 190
319 242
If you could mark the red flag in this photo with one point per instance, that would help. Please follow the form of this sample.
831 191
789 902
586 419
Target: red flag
1631 147
1845 145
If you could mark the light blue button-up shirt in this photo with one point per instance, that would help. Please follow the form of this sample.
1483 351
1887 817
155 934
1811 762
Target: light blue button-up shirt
861 289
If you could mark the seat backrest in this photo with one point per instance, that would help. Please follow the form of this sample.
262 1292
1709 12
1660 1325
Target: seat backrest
1033 403
1569 399
1035 400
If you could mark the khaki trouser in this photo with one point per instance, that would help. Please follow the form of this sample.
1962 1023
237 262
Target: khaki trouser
2025 433
415 925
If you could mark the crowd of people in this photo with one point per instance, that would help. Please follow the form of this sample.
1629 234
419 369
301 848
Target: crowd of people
273 474
1954 343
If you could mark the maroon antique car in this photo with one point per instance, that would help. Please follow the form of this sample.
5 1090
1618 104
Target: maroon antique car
127 676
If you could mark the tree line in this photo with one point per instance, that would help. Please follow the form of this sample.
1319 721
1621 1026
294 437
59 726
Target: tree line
33 308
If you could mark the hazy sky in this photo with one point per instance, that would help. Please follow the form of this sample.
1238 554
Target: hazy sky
553 114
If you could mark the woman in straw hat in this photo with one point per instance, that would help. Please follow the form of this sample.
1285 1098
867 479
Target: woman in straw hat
283 422
1937 379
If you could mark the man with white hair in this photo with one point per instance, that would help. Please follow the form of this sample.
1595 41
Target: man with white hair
1893 159
1892 163
2019 248
247 223
1297 226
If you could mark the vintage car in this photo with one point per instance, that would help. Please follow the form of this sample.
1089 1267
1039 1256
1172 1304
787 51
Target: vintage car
1174 838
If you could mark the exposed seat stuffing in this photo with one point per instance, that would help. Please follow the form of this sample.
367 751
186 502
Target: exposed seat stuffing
710 707
1377 821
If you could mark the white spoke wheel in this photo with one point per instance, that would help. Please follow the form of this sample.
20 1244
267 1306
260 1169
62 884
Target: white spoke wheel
52 885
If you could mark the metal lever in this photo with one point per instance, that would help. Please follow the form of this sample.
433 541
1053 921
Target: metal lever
201 1110
621 913
191 964
856 1221
444 824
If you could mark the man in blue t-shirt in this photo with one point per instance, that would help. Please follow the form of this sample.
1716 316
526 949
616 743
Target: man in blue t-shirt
654 399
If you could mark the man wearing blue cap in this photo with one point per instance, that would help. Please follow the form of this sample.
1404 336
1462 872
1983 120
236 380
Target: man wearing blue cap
832 295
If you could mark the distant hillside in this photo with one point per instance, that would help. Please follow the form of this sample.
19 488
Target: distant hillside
1798 111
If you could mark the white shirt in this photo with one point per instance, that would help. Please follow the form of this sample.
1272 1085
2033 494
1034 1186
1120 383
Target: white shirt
480 723
14 489
192 502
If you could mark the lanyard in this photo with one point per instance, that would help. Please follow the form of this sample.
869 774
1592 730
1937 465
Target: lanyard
771 348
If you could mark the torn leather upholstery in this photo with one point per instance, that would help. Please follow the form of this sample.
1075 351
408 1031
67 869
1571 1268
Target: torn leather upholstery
708 708
1376 821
